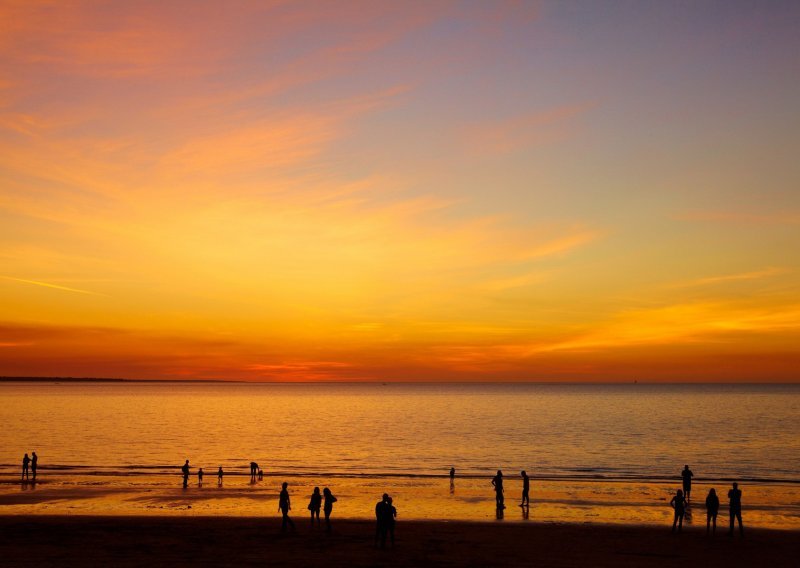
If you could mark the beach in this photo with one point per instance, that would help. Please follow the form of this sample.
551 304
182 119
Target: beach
214 541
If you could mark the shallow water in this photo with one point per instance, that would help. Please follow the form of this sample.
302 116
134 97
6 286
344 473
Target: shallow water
609 453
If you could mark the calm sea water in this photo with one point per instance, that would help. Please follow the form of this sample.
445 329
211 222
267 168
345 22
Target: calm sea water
647 432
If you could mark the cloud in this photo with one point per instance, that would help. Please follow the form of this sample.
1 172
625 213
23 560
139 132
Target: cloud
53 286
754 275
741 218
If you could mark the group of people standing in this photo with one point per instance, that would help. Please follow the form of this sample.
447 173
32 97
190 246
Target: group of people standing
29 465
314 506
497 483
681 504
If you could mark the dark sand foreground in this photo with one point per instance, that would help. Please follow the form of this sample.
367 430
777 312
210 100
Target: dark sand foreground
205 541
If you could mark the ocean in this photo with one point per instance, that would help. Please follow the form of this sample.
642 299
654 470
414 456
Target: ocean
603 453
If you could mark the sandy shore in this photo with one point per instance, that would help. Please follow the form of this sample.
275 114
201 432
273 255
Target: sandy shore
161 541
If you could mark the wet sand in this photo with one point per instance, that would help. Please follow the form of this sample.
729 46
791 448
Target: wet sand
206 541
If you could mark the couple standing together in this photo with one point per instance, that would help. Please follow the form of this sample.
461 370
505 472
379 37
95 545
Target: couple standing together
385 515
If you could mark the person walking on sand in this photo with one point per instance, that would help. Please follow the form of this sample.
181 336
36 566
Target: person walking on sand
34 464
679 504
712 508
185 470
314 505
328 507
25 461
284 506
497 482
220 474
687 474
526 487
735 497
380 521
200 476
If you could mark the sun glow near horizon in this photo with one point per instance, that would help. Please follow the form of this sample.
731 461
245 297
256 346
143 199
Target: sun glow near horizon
382 191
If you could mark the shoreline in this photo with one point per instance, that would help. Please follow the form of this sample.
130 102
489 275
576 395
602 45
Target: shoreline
133 541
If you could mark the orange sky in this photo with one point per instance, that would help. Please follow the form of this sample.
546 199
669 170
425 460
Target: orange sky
400 191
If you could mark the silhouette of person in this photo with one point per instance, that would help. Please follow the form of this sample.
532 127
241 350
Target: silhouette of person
200 476
526 487
678 503
261 474
452 473
284 506
712 508
25 461
391 519
253 469
315 504
34 462
497 482
185 470
328 507
220 474
687 474
735 497
381 509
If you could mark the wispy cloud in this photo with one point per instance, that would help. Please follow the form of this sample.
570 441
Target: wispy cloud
53 286
754 275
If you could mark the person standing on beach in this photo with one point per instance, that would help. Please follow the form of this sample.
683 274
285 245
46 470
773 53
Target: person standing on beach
314 505
712 508
185 470
380 521
200 476
253 470
391 519
34 463
260 474
452 473
679 504
526 487
687 474
25 461
284 506
497 482
328 507
220 473
735 497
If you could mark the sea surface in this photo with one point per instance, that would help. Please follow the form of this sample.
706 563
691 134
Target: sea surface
604 453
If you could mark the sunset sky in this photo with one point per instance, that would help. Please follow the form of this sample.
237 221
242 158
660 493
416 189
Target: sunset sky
497 191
